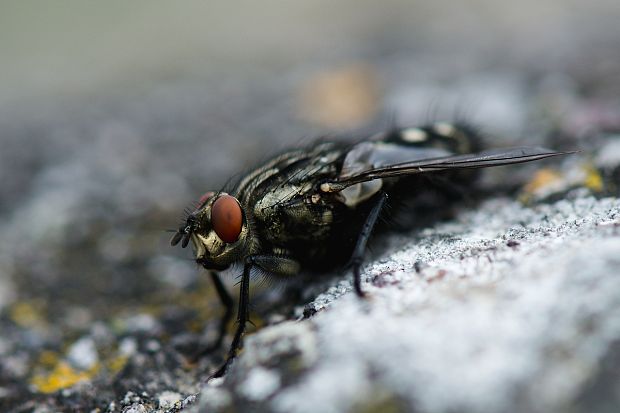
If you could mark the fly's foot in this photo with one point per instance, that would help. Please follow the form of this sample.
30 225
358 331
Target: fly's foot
355 265
222 370
357 284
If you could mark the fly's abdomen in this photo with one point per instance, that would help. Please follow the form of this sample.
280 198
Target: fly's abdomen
423 198
454 138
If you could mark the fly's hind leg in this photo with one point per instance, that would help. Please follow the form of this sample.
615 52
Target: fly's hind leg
228 304
360 247
282 266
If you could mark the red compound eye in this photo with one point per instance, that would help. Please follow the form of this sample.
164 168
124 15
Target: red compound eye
226 218
204 198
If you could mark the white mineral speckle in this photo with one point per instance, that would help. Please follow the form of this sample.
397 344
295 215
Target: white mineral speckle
136 408
168 399
128 346
212 397
83 353
141 322
260 384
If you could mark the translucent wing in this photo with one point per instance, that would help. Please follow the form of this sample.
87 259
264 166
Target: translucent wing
485 159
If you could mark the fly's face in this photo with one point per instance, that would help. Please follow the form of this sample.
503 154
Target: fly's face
217 229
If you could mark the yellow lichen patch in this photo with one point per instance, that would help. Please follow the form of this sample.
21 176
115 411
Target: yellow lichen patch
48 358
593 180
542 179
117 363
26 314
61 377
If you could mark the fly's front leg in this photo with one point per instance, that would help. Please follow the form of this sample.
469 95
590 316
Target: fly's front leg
242 316
228 304
271 263
360 247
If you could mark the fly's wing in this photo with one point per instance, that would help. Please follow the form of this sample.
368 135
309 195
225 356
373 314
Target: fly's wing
485 159
367 156
371 155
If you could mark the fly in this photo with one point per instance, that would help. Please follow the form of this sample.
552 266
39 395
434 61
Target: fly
316 207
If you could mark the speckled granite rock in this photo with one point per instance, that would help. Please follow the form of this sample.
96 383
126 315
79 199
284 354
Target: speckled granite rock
511 309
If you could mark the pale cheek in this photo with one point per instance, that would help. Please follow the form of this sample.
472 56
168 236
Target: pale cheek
198 244
211 244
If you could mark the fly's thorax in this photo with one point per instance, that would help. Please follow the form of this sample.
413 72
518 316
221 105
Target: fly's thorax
280 197
293 212
222 234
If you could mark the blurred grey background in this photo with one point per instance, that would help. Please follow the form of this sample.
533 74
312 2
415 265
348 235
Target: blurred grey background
116 115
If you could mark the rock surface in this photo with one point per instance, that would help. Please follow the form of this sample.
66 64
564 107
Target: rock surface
513 309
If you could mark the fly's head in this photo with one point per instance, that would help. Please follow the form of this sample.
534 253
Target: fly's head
218 231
